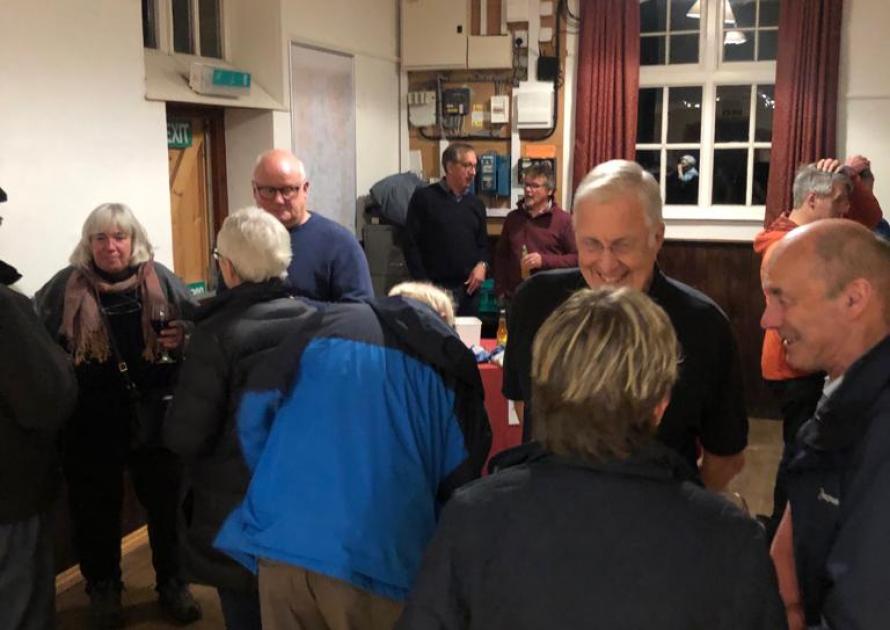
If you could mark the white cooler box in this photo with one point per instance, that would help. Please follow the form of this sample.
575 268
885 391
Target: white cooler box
469 329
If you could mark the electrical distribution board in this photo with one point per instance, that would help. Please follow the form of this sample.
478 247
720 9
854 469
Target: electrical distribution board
455 101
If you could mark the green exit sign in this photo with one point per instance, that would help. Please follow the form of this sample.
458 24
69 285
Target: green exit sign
179 134
230 78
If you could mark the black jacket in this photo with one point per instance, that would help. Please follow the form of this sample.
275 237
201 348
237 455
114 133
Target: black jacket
37 394
103 405
234 333
558 543
838 479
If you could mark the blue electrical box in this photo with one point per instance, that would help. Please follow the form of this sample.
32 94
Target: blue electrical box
503 168
488 174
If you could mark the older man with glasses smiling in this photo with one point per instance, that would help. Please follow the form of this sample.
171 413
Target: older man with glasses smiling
619 232
328 264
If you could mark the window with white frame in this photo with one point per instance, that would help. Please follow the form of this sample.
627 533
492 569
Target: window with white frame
189 27
706 104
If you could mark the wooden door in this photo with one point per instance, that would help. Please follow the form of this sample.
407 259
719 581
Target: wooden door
198 202
189 201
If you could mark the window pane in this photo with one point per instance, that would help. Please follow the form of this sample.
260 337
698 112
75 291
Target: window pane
684 114
149 24
766 105
684 48
761 176
650 160
652 50
649 116
768 45
738 45
680 21
769 12
733 113
681 185
208 18
653 14
730 176
744 13
182 27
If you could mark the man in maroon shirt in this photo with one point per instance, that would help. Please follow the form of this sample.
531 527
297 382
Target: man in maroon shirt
541 227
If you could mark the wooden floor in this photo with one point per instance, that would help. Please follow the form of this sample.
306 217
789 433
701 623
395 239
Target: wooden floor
755 484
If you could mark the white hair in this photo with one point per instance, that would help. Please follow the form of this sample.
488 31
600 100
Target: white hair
256 244
619 177
112 216
429 294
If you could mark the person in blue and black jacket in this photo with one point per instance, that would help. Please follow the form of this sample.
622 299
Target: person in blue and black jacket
356 430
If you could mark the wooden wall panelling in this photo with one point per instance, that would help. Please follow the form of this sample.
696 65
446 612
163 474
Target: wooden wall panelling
729 273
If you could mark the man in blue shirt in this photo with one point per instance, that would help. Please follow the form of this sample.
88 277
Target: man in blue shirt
328 264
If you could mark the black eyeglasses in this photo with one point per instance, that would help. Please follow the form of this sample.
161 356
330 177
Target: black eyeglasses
270 192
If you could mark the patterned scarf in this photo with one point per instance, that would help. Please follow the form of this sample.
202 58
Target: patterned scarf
82 322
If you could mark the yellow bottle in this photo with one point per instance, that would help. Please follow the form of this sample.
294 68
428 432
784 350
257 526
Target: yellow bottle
502 328
523 269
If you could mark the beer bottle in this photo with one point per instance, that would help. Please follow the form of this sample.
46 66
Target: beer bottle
523 268
502 328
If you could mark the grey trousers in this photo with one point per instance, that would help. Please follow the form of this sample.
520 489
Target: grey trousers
27 576
292 598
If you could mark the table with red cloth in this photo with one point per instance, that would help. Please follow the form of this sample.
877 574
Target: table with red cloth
503 434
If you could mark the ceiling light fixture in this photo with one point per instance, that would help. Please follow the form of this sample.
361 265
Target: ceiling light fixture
734 38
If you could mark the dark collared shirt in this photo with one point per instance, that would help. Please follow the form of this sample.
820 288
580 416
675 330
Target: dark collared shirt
707 403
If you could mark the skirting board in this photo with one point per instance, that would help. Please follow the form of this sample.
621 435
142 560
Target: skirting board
72 577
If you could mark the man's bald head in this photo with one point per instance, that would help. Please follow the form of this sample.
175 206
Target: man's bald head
280 186
843 251
827 287
278 161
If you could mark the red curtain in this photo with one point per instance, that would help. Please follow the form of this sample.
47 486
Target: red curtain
805 120
607 83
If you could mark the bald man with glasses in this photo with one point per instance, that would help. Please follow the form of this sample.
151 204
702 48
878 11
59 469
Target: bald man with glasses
328 264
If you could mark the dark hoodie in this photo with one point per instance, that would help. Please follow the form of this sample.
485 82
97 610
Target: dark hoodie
37 394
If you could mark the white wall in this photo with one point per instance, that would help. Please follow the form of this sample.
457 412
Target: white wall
368 30
75 130
864 90
249 132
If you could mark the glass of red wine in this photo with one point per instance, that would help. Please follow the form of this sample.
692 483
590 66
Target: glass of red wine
161 315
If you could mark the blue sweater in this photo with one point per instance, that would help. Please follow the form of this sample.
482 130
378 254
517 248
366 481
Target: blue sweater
328 263
350 439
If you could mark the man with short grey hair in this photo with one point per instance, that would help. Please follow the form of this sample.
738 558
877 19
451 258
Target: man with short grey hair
446 237
536 236
619 232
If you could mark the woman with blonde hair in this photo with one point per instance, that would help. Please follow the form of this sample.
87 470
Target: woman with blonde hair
431 295
101 309
601 525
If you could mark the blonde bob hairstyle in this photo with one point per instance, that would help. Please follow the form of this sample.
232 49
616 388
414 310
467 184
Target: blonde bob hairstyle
112 216
256 244
601 364
429 294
